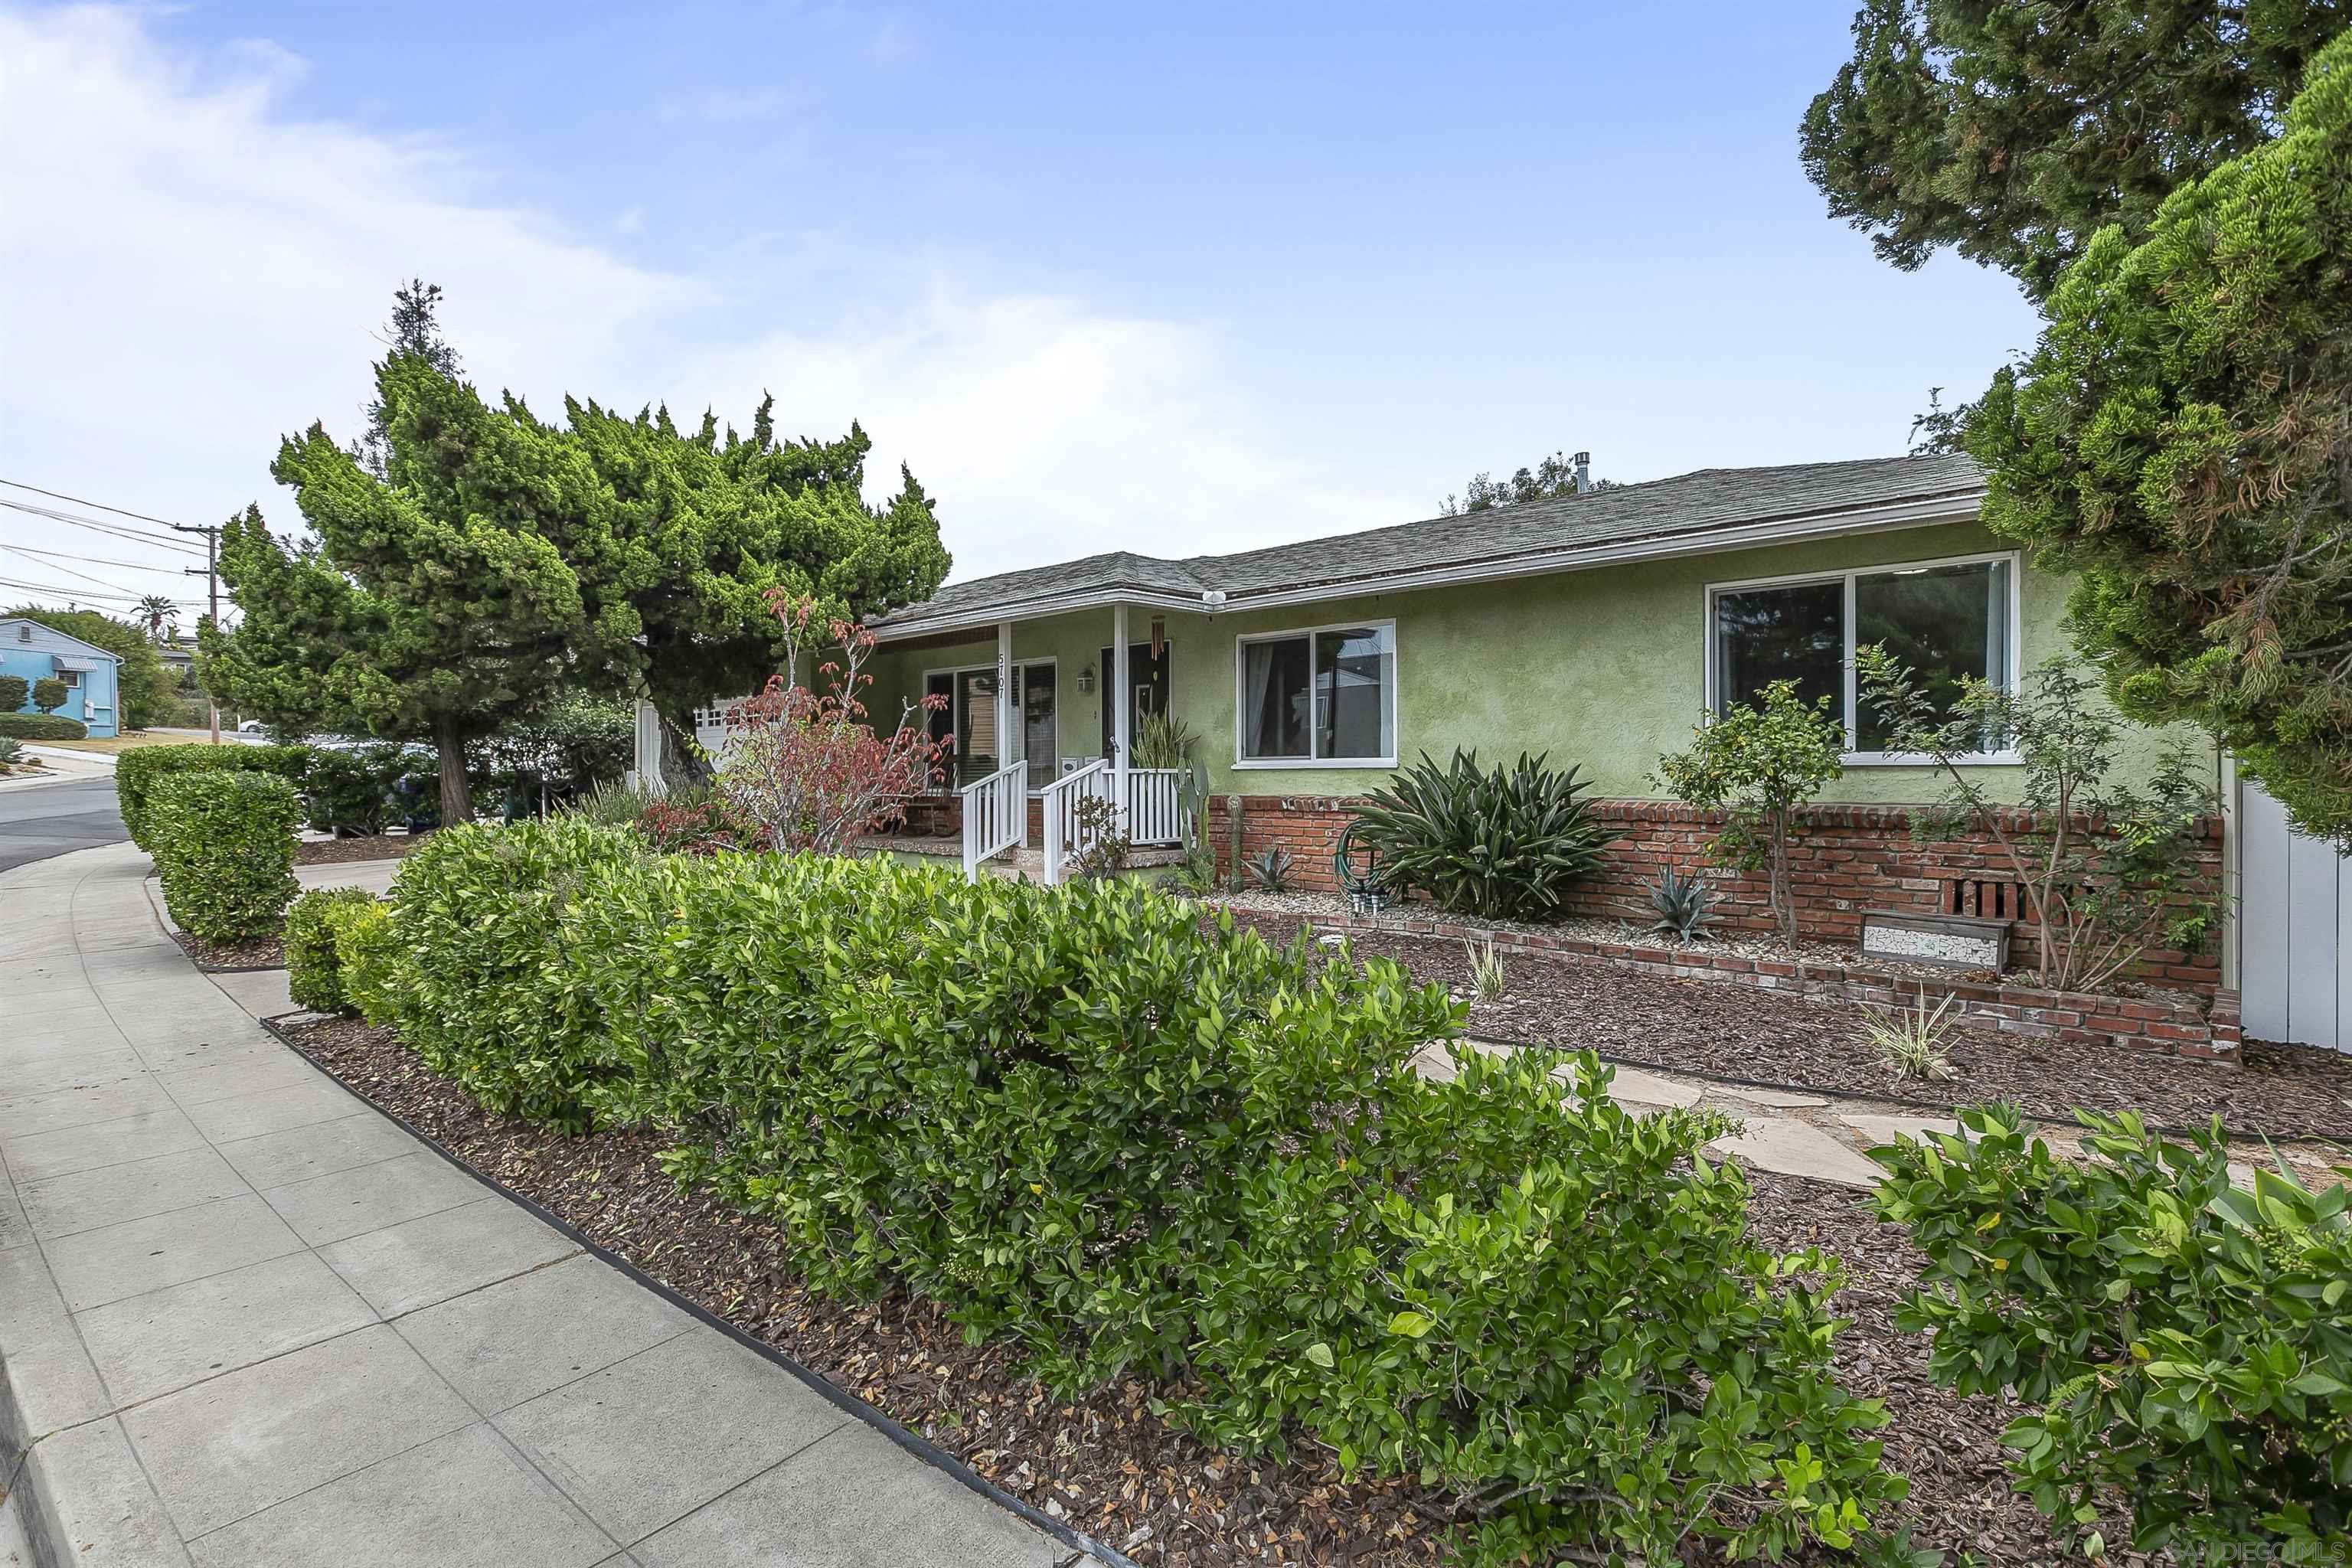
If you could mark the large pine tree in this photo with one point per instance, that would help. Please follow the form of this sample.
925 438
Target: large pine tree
472 562
2013 132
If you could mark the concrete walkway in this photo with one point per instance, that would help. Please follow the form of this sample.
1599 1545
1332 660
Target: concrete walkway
245 1319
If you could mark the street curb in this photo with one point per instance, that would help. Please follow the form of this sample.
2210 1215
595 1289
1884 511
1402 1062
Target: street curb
913 1442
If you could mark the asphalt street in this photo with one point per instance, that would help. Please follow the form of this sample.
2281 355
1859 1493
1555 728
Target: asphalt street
37 821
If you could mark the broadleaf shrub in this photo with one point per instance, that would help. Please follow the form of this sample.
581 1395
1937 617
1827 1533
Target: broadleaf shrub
350 789
493 999
43 727
2183 1342
367 958
224 844
314 969
1507 842
1137 1144
138 772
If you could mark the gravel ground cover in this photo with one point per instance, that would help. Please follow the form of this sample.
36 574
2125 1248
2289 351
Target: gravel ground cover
1738 1032
1107 1461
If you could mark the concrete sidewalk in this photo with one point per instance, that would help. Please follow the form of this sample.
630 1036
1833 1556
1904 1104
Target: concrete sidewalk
245 1319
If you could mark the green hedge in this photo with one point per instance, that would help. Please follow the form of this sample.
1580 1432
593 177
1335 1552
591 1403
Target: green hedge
223 842
1081 1119
42 727
314 927
137 772
2180 1344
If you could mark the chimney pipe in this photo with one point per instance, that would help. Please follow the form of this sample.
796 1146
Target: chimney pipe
1584 473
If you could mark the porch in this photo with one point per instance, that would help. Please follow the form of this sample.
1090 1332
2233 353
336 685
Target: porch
1041 768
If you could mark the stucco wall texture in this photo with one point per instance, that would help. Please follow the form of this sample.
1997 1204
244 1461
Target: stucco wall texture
1603 668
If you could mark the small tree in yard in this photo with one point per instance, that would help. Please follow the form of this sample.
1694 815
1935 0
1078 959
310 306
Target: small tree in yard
12 691
48 694
809 768
2107 869
1759 762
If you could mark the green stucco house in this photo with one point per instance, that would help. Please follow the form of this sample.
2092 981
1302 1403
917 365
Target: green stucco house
1598 627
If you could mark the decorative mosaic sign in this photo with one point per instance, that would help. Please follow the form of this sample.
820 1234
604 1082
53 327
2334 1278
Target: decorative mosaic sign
1959 941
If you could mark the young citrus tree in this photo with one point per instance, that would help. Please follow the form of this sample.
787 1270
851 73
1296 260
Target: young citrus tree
1758 762
2108 870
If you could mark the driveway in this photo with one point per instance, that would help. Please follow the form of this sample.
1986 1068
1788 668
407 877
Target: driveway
37 821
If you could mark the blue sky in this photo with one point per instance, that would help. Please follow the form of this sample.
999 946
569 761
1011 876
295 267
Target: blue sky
1161 279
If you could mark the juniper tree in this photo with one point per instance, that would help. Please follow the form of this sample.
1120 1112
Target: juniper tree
2181 437
2014 132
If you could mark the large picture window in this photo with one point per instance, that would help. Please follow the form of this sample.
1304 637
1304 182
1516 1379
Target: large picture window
1948 620
1324 695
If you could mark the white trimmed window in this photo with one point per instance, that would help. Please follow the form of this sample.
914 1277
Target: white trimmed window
1948 620
1317 697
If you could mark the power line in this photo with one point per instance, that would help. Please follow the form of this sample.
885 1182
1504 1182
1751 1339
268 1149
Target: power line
93 505
83 576
141 535
95 561
23 587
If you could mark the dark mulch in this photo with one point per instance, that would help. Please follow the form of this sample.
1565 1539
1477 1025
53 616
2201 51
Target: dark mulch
1734 1031
262 952
1105 1462
1949 1446
335 851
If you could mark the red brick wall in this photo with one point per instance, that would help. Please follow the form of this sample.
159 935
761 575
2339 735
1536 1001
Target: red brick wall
2187 1026
1843 860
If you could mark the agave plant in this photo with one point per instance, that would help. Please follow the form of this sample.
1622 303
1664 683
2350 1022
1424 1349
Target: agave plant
1683 905
1271 870
1507 844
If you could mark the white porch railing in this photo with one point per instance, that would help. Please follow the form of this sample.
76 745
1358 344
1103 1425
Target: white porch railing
995 815
1066 838
1154 814
1154 806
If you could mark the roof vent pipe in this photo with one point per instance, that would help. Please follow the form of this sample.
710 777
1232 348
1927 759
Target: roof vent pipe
1584 473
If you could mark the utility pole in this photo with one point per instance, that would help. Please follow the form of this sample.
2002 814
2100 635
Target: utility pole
211 575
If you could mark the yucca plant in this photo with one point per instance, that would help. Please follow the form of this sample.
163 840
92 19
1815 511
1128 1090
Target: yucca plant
1507 844
1486 970
1910 1040
1162 741
1683 905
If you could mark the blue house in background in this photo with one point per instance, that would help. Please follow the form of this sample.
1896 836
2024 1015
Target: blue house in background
92 674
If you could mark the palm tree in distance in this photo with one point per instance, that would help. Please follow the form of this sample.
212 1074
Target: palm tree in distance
159 614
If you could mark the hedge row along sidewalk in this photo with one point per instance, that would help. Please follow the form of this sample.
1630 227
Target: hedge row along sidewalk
1129 1149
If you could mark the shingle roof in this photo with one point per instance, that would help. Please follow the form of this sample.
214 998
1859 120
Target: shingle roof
1688 508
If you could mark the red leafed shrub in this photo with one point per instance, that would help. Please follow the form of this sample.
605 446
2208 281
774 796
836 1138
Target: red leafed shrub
703 827
808 768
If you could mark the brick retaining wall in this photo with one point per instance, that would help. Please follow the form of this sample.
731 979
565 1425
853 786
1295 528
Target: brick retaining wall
1843 860
2175 1025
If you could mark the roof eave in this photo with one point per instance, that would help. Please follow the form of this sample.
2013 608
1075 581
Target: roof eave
1921 512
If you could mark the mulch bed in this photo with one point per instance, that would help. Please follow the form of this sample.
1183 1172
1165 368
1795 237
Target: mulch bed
1105 1461
262 952
1949 1446
335 851
1701 1027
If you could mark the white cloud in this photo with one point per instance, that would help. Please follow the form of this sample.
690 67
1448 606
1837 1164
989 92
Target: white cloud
187 272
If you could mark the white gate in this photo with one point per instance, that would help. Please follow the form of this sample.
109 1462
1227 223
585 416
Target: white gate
2295 928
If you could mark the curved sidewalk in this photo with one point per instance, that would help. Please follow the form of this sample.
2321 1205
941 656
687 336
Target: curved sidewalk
246 1319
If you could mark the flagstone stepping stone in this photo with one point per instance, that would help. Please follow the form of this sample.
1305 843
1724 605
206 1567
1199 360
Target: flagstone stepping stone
1794 1148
